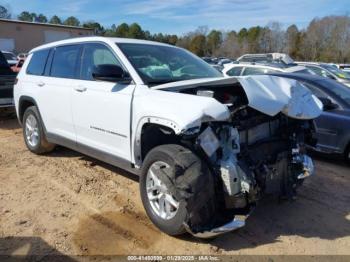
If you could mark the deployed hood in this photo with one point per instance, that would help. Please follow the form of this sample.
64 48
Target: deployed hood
267 94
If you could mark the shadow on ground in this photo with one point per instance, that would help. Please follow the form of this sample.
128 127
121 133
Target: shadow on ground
29 249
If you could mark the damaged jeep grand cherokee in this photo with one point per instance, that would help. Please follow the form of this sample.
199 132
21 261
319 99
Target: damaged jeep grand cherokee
206 148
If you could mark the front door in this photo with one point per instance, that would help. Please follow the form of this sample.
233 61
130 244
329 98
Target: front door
101 110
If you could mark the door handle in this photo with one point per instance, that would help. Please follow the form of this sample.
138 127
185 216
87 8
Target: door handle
41 84
80 89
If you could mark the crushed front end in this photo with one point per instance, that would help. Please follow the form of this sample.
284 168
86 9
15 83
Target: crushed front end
251 155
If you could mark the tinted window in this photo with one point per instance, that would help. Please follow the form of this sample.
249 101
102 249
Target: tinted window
257 71
37 63
65 61
236 71
94 55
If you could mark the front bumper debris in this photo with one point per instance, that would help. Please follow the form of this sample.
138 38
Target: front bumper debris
308 167
236 223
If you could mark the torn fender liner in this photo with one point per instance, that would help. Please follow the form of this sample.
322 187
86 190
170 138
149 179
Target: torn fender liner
271 95
193 183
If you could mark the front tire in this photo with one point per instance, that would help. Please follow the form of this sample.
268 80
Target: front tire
177 189
33 132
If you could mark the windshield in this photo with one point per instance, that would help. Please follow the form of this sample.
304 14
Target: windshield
337 72
158 64
9 56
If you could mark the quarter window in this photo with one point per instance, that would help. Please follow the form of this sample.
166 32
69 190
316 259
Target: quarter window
236 71
65 61
37 62
256 71
94 55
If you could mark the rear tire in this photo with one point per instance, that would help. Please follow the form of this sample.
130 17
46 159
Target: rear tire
187 180
33 132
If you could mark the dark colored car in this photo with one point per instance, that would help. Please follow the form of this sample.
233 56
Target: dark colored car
7 79
333 126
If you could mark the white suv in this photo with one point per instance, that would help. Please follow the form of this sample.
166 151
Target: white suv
205 147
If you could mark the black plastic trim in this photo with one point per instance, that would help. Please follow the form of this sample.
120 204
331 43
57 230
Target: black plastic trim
93 152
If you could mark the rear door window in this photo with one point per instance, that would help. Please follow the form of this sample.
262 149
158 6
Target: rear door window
64 63
37 62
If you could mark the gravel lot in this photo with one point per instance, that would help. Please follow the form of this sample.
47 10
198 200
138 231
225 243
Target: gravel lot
66 203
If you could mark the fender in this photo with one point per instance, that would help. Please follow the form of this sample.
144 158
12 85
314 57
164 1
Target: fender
177 111
136 142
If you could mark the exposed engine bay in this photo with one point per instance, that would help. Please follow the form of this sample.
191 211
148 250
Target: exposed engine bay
253 153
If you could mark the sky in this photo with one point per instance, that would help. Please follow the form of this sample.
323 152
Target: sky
181 16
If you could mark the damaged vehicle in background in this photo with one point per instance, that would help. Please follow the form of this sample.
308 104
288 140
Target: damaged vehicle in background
206 148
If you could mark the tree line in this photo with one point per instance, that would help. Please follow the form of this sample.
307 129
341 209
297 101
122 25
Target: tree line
325 39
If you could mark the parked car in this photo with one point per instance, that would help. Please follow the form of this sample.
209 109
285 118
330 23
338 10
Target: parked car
245 69
329 71
224 61
10 57
22 56
7 79
270 58
205 147
344 67
333 126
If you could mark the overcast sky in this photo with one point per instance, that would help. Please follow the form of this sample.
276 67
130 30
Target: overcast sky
180 16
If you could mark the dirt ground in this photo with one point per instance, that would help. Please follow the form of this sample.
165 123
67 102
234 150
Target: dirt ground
66 203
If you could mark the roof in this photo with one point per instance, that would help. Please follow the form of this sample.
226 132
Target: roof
109 40
45 24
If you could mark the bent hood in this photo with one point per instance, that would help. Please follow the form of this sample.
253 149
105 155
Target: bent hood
267 94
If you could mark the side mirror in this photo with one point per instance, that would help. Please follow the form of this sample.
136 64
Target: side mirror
110 73
327 104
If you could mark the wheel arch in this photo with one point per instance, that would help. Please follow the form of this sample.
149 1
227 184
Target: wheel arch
24 103
165 131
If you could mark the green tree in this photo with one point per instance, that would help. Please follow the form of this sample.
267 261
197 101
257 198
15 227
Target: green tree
135 31
4 12
198 45
214 40
242 34
55 20
25 16
122 30
293 41
72 21
98 28
253 35
41 18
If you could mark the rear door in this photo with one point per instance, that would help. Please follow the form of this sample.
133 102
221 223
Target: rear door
102 110
55 96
